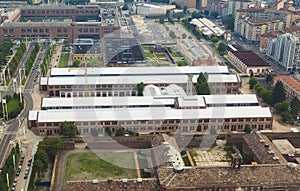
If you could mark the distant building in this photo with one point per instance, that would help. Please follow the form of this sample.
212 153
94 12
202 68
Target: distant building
291 86
194 53
207 27
151 10
247 61
263 43
87 49
285 50
123 51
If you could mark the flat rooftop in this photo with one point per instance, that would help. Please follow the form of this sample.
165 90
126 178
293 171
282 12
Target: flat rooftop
146 79
284 146
130 114
141 71
147 101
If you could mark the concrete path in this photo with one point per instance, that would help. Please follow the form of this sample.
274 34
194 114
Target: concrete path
190 158
138 171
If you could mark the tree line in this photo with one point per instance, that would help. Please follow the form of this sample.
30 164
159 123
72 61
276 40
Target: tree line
8 168
276 97
4 47
14 63
46 153
30 61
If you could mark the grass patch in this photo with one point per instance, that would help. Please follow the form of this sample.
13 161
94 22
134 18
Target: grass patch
157 64
145 174
229 151
149 55
193 155
149 48
185 158
161 56
63 61
82 166
24 80
12 105
7 82
181 63
176 54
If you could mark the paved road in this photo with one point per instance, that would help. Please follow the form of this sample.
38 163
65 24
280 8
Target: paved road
12 126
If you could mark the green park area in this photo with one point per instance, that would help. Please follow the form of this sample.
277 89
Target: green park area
181 63
14 106
63 61
100 165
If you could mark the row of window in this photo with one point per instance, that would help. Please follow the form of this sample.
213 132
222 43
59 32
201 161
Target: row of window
86 30
166 123
61 12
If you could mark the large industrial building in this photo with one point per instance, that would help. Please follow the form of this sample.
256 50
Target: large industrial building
114 82
71 22
194 114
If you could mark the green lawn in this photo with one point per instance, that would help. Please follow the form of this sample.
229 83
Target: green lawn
181 63
157 64
63 61
149 55
161 56
12 105
176 54
150 48
100 165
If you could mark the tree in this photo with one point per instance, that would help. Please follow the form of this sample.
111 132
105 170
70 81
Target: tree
215 39
247 157
185 9
183 36
269 79
197 15
125 7
76 63
295 107
53 146
214 14
42 156
282 107
17 148
108 131
140 88
285 116
94 132
68 129
247 129
120 132
252 82
39 166
266 95
202 87
228 22
206 12
222 47
161 20
278 93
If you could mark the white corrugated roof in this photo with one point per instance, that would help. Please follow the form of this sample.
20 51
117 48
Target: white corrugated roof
146 79
151 114
106 101
140 70
230 98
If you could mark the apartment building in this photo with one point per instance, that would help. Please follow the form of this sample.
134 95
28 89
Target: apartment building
285 50
252 23
291 86
295 30
191 4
